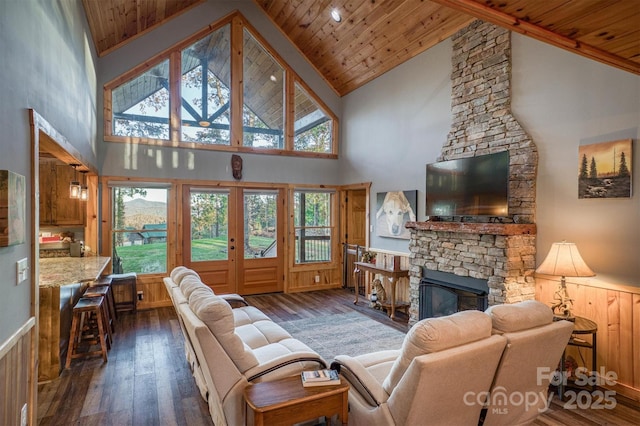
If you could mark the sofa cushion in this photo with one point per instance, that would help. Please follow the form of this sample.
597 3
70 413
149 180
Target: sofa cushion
436 334
248 315
216 313
190 283
179 272
261 333
508 318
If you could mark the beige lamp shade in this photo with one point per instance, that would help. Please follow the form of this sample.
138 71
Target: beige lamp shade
564 260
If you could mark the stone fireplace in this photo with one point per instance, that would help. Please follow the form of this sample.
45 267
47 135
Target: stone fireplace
501 252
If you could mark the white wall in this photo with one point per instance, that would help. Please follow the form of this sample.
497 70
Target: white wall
47 64
396 124
210 165
564 101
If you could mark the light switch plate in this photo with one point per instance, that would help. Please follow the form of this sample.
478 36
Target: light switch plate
22 269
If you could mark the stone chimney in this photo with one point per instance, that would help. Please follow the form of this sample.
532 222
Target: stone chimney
503 254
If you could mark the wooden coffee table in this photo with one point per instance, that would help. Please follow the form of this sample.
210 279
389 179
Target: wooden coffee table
286 401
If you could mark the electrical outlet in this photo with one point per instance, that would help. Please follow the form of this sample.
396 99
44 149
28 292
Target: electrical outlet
317 279
23 415
140 295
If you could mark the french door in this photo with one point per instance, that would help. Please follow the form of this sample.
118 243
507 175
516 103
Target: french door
234 238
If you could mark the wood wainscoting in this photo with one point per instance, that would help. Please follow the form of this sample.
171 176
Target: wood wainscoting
616 310
17 375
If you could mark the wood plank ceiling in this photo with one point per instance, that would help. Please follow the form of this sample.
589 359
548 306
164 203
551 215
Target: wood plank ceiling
374 36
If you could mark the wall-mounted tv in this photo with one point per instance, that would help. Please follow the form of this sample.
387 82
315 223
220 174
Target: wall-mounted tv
473 186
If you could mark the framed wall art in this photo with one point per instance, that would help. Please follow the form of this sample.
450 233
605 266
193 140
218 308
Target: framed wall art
12 208
393 210
604 170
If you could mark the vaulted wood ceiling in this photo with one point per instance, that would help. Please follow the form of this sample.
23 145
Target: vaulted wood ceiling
375 36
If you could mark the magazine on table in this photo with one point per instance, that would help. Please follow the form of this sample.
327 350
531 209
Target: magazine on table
324 377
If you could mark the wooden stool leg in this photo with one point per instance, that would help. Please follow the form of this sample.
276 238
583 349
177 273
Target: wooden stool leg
103 343
72 339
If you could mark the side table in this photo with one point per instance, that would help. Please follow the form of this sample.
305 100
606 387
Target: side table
582 326
392 275
286 402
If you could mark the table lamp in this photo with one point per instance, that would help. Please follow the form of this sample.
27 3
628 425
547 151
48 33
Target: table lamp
564 260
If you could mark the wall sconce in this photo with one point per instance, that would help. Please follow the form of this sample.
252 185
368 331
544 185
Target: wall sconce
74 186
84 190
564 260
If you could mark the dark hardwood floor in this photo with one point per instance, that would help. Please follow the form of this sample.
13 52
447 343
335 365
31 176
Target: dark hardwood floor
148 382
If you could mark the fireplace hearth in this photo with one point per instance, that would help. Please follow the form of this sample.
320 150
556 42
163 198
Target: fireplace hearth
442 294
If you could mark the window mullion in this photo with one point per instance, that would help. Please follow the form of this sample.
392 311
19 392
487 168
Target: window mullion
175 95
237 97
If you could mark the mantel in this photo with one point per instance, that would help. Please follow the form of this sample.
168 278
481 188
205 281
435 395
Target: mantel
475 228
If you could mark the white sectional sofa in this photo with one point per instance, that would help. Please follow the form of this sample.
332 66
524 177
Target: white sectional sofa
229 347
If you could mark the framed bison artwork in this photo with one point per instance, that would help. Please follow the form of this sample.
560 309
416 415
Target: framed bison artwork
393 210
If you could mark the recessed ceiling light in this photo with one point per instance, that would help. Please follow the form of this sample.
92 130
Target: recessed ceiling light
273 78
335 14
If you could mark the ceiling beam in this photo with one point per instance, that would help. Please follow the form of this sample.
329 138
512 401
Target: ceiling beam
512 23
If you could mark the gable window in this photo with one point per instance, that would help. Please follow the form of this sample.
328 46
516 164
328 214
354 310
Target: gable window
205 89
224 88
263 89
312 127
141 105
139 234
313 225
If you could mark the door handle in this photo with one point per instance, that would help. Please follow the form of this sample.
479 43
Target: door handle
232 247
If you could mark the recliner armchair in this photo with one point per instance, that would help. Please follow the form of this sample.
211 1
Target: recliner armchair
444 365
535 342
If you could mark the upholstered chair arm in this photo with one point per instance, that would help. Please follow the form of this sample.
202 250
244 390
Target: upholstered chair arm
234 300
285 365
361 379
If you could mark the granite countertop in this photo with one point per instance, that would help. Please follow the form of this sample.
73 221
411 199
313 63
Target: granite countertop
59 271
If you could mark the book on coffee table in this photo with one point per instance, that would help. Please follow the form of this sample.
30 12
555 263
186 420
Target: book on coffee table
324 377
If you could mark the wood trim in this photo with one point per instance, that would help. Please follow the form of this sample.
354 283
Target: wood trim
8 344
520 26
617 313
175 71
16 375
237 73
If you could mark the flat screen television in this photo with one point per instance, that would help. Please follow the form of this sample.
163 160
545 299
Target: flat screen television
473 186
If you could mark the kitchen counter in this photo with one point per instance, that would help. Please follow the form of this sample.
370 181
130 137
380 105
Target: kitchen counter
59 271
62 282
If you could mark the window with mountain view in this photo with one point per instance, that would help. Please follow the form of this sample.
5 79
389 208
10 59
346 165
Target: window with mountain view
139 229
201 95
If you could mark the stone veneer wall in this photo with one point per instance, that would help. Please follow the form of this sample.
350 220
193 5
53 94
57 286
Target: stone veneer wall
483 124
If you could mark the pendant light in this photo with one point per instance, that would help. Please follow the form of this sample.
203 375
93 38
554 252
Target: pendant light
84 190
74 186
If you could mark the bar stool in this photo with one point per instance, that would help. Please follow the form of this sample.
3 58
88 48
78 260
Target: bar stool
128 281
110 300
103 291
88 329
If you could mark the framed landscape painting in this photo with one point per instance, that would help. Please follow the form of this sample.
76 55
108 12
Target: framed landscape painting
393 210
605 170
12 208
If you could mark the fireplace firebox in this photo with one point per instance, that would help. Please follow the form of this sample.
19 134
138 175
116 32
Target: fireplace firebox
442 293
